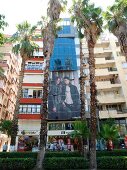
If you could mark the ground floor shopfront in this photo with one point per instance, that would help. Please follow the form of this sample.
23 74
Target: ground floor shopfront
58 136
28 135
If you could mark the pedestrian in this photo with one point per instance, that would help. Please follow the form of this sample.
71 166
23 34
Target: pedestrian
5 147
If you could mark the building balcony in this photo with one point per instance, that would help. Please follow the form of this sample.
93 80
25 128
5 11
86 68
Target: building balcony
40 53
102 85
32 85
106 72
107 99
112 114
100 61
101 72
34 67
29 116
98 50
31 100
33 71
107 49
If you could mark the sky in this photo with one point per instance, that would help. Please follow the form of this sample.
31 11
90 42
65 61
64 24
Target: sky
17 11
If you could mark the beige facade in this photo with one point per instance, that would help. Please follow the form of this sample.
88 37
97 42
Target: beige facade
8 85
111 79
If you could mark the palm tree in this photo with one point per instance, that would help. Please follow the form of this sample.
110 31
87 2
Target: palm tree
25 46
89 23
109 132
116 17
49 30
81 132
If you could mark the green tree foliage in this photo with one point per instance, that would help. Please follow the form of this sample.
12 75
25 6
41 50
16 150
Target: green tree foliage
89 23
80 129
24 40
3 24
108 130
6 127
116 15
116 22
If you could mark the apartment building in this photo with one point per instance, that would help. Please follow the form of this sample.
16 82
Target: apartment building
30 103
8 85
64 64
111 80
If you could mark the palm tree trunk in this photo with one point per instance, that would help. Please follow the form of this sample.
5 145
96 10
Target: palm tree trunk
82 84
82 94
16 111
93 164
44 114
121 33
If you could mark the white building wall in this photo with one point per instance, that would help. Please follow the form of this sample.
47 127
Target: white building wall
29 126
37 78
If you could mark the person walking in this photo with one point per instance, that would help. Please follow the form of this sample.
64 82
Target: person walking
5 147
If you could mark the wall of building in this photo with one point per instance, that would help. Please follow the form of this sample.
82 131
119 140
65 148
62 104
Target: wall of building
8 86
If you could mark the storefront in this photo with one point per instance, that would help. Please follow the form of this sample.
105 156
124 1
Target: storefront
28 141
59 137
28 135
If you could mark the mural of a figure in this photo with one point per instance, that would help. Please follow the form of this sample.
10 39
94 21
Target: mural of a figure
55 99
70 98
63 102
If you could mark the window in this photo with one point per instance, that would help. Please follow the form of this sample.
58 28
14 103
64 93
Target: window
24 93
37 93
55 126
29 109
34 66
68 126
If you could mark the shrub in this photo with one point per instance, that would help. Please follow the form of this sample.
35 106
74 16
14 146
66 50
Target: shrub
56 163
18 155
109 162
62 154
112 153
17 163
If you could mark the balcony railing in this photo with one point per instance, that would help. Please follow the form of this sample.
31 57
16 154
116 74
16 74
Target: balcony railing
114 111
112 69
109 58
29 110
35 67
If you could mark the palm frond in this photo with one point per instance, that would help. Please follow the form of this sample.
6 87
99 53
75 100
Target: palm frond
80 129
24 39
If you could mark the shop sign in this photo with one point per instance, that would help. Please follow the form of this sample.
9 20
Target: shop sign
30 132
